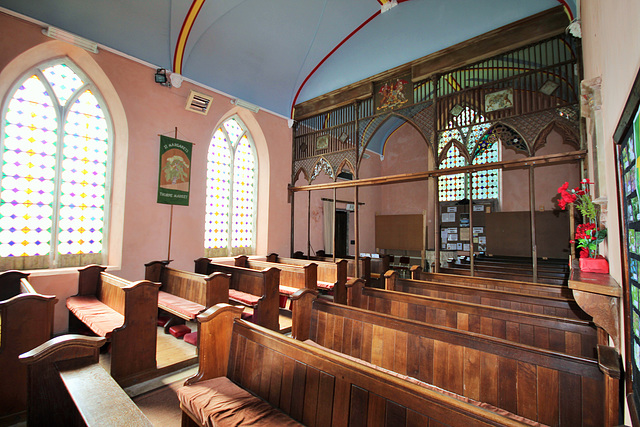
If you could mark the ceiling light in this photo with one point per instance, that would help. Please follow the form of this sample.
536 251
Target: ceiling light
245 104
58 34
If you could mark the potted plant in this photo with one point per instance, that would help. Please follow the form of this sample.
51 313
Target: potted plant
589 234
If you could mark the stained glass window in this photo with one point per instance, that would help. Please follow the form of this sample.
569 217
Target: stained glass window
231 190
55 143
452 187
481 146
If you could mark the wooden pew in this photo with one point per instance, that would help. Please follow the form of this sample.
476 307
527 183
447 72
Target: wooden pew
541 385
292 277
331 276
507 275
127 316
569 336
492 283
68 387
255 288
553 306
26 321
184 294
312 385
365 266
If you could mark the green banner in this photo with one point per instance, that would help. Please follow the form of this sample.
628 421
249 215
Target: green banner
175 171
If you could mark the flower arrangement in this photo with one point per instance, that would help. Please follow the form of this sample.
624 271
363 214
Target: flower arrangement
588 235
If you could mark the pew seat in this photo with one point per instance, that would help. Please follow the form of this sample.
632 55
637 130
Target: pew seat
98 316
124 312
309 384
219 401
184 294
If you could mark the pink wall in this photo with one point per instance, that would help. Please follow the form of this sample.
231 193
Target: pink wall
140 110
547 179
406 151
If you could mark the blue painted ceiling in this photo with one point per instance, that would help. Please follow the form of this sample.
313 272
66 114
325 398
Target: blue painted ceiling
262 51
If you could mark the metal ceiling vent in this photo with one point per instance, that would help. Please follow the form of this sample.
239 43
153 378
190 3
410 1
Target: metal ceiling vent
199 102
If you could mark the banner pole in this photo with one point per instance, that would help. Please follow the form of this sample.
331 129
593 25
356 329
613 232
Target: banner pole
171 213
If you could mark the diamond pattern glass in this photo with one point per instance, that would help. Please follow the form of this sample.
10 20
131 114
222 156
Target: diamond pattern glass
44 169
231 188
218 192
83 180
451 187
243 194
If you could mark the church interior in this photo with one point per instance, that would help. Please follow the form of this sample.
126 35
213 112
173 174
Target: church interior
374 212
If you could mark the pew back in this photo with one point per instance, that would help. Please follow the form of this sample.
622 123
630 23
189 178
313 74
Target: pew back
553 306
294 276
26 321
544 386
67 386
262 283
317 387
330 272
493 283
198 288
570 336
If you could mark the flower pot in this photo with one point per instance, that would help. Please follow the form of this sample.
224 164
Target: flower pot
594 265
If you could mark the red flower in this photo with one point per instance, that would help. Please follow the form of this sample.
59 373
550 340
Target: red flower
563 188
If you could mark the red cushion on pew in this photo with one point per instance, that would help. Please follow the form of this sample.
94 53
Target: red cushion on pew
162 320
191 338
98 316
179 331
283 301
325 285
180 305
243 297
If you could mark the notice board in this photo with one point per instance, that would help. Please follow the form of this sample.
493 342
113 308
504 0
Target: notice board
401 232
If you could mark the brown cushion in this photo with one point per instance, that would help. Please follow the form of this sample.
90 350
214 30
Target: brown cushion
219 401
98 316
188 309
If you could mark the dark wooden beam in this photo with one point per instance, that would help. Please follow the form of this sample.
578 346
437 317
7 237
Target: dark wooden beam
421 176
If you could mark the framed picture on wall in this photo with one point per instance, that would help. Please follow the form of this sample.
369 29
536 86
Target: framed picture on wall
498 100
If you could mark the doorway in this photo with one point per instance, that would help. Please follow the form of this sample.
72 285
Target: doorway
342 234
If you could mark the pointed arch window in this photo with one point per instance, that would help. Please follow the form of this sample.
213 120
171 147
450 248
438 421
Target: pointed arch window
474 137
55 144
232 174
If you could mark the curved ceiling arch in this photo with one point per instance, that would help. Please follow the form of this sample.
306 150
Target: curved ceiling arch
275 53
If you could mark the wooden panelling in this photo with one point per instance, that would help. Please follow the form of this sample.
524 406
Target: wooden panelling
577 337
520 379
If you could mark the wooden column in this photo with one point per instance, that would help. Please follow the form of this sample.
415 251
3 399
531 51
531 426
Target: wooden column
436 198
356 224
309 226
292 198
356 209
471 260
335 190
532 210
